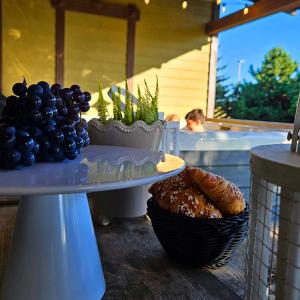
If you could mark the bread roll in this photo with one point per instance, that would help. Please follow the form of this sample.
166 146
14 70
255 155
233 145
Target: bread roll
189 202
223 194
178 182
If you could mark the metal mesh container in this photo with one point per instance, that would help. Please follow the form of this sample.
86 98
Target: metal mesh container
273 250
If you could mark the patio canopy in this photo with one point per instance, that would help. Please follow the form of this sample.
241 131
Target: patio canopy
260 9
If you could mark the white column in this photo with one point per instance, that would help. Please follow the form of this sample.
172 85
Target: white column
54 254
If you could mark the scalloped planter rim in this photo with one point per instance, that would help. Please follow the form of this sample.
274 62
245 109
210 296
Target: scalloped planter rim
137 135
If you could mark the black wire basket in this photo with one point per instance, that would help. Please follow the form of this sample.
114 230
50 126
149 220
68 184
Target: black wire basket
198 242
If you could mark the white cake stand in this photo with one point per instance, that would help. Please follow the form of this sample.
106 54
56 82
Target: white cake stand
54 254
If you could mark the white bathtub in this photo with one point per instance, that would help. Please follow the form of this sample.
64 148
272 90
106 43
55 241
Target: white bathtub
228 140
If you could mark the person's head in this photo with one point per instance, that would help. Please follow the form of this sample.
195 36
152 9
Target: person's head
194 119
172 118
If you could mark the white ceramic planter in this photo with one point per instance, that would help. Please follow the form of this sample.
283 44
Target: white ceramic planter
131 202
115 133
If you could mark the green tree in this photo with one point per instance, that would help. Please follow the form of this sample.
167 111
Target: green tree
223 105
273 93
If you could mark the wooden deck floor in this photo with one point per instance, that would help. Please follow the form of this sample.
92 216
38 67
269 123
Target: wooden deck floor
136 267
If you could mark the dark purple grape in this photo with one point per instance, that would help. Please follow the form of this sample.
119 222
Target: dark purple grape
81 132
23 103
76 119
69 132
54 110
35 89
34 102
56 137
45 86
62 110
84 107
57 152
74 110
55 89
11 158
45 156
25 144
48 99
75 87
50 122
25 127
36 133
47 113
35 116
19 89
12 102
79 97
21 133
59 102
59 120
69 145
79 142
66 94
71 155
1 155
47 128
86 141
44 145
69 122
88 96
8 143
36 148
6 131
27 159
83 123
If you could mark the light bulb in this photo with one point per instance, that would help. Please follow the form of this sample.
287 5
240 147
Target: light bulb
218 2
223 8
147 2
245 10
184 5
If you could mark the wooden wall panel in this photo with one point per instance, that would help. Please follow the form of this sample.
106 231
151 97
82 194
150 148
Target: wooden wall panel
28 42
171 43
95 49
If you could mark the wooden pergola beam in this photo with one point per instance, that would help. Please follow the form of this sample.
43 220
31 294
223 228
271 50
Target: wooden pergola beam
115 10
260 9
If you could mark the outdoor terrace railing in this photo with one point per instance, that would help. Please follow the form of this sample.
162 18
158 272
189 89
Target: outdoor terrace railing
263 125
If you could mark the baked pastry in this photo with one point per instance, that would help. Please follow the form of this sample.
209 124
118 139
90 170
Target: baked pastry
179 182
223 194
189 202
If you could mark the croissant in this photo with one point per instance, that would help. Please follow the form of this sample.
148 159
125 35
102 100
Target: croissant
189 202
178 182
223 194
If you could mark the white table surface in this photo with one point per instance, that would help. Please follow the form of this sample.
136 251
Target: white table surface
98 168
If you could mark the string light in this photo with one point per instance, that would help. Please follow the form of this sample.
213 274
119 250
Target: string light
184 5
223 8
147 2
246 10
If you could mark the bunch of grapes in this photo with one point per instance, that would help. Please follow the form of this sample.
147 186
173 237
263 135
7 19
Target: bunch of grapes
43 123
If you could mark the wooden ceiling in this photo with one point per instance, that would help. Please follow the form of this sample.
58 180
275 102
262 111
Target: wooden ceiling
258 10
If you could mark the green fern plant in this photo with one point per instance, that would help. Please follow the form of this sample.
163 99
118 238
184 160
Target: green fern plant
117 109
146 108
128 110
102 107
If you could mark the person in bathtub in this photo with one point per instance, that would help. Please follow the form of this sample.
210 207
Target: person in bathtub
195 120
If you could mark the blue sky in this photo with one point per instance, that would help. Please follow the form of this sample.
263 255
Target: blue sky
252 41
